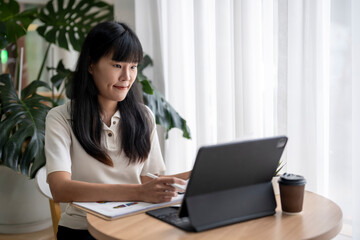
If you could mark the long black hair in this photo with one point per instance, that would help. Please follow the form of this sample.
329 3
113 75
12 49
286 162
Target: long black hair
119 40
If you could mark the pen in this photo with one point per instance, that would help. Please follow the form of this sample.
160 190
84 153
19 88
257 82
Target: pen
174 184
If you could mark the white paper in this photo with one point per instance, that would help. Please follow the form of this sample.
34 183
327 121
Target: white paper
118 209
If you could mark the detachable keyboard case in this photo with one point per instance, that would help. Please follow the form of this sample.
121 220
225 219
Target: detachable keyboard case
231 183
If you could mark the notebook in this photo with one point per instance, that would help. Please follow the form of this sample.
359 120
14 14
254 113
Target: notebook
229 183
114 210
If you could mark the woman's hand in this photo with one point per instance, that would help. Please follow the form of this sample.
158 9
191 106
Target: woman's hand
160 190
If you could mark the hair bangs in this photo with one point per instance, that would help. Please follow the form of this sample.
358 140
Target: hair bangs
127 49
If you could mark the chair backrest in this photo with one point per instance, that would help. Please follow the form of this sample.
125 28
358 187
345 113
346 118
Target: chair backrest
42 184
44 188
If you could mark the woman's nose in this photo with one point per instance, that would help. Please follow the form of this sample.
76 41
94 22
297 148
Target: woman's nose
125 75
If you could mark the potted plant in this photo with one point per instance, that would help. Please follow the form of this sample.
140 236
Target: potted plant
276 176
22 116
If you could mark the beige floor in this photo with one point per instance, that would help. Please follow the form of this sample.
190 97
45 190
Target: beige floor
46 234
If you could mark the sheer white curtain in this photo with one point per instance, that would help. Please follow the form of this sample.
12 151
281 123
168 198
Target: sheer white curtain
322 104
169 34
255 68
218 69
355 37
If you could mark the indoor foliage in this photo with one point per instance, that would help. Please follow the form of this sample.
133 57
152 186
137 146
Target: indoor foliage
22 120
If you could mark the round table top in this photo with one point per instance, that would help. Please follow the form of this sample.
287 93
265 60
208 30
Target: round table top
320 219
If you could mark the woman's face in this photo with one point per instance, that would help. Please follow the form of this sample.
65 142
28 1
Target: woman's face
113 79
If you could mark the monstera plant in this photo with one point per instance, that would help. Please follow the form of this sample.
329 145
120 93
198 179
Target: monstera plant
22 118
13 23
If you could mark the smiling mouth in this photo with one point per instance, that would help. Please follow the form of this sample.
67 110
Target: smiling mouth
121 87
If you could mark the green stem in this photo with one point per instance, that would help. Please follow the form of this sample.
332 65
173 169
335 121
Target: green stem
60 94
43 63
16 62
53 92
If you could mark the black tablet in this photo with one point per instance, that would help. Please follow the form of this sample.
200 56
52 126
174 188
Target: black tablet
229 183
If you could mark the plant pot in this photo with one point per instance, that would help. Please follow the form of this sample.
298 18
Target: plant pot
23 208
276 184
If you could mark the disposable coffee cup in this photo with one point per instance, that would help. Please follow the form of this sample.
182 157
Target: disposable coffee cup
292 189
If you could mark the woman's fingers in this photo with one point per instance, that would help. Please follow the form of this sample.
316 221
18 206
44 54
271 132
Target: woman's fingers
172 180
161 189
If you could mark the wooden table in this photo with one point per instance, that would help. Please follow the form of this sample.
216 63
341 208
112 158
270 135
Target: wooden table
320 219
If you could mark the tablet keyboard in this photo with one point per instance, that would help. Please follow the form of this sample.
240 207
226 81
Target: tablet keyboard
174 218
170 216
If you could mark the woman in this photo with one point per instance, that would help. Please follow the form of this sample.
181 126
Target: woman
101 144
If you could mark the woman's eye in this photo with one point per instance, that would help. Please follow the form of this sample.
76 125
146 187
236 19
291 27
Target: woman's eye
117 65
134 67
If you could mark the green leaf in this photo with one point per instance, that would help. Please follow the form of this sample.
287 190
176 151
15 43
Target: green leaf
41 30
62 74
22 126
63 42
8 9
3 36
50 35
146 87
71 23
32 87
146 62
280 166
165 114
74 39
16 23
27 17
16 32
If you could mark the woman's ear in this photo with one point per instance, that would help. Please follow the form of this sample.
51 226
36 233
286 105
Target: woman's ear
90 69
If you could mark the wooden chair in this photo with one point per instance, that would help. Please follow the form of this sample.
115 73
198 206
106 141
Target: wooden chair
45 190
